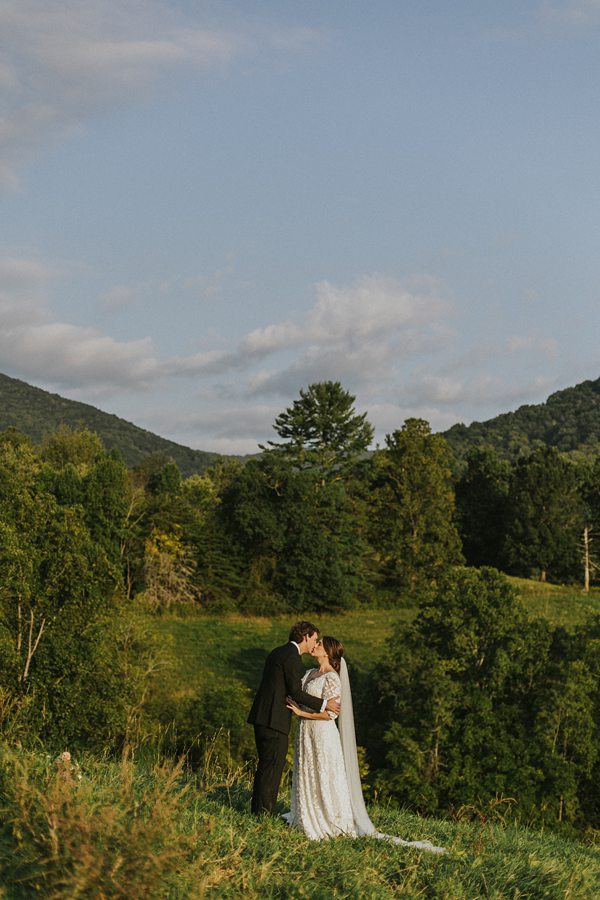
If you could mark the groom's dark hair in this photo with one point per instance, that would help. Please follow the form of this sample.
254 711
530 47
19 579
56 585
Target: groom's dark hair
301 630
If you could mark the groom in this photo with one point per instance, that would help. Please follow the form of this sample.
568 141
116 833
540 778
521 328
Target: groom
282 677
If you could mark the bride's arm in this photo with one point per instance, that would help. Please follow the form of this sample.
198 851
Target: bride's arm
331 693
306 715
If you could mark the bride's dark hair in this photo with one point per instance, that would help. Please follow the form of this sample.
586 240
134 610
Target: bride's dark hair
334 651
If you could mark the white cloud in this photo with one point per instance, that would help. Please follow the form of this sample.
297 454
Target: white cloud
23 288
273 338
388 342
480 390
389 417
63 354
234 422
232 429
20 277
348 317
358 334
65 61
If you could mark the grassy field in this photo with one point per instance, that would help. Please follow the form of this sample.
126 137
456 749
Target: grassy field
566 605
109 830
143 828
208 646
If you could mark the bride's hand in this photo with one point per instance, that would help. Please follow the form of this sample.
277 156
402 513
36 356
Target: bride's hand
293 706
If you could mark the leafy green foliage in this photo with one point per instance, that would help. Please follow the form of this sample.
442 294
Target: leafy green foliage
57 608
413 530
545 516
569 421
481 500
296 535
476 701
322 428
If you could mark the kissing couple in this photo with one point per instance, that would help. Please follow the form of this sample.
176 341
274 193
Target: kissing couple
327 797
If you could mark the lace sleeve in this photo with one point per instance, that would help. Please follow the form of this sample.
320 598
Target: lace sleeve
332 690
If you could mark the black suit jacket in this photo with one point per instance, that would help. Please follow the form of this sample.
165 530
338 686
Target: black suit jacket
282 677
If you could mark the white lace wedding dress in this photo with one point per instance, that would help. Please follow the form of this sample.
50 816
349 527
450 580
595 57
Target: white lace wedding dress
321 805
327 797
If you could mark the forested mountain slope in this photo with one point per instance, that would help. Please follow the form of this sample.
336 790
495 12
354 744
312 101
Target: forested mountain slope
569 420
36 412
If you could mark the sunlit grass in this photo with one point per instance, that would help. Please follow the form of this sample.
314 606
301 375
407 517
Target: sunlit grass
566 605
162 831
235 646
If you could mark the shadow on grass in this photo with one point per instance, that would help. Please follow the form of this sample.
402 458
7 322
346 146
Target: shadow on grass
248 665
237 797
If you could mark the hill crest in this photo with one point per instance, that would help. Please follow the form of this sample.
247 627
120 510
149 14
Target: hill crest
36 412
568 420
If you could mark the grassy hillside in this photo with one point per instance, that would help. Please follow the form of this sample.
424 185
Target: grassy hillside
569 420
90 827
35 412
85 828
234 647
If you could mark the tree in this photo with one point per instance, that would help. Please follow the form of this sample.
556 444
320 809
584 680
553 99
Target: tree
217 566
545 517
412 513
441 687
589 486
296 536
477 702
481 498
58 610
565 728
322 428
77 447
107 495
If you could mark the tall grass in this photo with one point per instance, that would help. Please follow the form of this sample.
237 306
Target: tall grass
127 830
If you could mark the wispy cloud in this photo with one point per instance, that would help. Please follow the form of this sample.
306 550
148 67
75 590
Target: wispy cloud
23 290
120 296
350 316
354 332
480 390
573 13
63 62
547 347
395 345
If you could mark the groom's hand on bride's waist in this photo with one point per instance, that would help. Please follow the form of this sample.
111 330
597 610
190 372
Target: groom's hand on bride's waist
334 705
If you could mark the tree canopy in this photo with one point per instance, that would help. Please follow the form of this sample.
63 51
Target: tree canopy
322 427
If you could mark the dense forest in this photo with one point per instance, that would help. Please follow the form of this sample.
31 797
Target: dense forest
480 702
569 420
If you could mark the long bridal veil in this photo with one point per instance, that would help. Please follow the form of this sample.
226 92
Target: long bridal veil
362 822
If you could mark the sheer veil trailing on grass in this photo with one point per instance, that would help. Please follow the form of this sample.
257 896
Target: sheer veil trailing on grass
362 822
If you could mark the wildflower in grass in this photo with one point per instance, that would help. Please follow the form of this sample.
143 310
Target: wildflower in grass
67 770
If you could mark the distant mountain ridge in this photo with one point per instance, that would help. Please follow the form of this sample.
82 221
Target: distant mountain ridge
569 420
35 412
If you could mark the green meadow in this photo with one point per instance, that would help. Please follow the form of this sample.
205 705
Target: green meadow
234 646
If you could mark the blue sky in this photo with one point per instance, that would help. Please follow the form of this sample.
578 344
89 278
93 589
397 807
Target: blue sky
207 206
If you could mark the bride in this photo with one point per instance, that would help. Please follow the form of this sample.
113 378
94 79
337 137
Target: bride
327 797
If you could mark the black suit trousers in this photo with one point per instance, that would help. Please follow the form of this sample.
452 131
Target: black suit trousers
272 750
